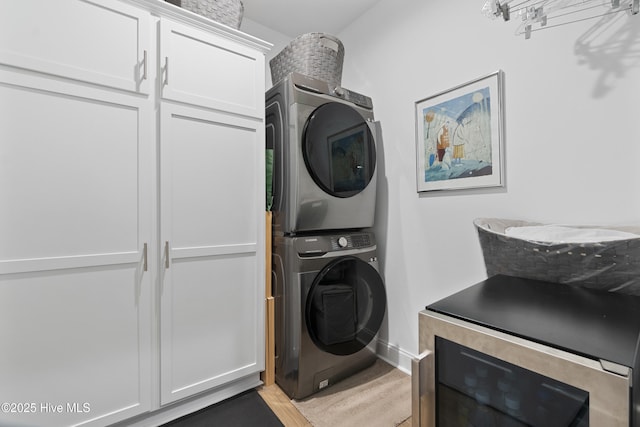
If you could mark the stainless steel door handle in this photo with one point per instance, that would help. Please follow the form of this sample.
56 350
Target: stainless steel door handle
144 66
145 265
166 255
166 70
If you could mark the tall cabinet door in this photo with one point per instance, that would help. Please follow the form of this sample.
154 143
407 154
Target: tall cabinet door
212 211
74 220
212 308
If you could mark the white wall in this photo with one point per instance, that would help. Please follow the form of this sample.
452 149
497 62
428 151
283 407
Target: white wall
572 137
277 39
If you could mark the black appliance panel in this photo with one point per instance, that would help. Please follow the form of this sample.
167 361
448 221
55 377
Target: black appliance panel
473 388
345 306
339 150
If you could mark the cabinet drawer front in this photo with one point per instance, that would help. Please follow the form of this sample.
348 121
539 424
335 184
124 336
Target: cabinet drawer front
205 69
102 42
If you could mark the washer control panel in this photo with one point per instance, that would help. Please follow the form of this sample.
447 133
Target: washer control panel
317 245
351 241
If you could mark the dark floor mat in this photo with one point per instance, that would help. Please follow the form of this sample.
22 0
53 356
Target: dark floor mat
244 410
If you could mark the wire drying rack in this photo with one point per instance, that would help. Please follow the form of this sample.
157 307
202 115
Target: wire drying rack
536 15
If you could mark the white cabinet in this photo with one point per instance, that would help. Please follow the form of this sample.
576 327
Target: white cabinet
131 212
212 208
105 42
227 75
75 215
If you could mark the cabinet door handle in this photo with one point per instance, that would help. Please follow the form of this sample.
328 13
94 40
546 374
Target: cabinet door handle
144 66
166 255
145 266
166 70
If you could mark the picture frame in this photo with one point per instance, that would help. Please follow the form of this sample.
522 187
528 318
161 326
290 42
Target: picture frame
460 137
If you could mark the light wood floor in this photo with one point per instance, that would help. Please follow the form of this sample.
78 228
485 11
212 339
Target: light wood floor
289 415
281 405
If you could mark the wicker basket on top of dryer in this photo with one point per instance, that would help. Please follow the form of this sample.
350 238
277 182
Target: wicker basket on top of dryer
316 55
605 258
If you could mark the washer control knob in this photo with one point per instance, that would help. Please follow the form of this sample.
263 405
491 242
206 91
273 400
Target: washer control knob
339 91
343 242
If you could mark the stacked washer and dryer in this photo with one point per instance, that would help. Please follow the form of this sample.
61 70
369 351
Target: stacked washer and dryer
329 296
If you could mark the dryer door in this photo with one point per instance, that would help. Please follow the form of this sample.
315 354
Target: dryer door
339 149
345 306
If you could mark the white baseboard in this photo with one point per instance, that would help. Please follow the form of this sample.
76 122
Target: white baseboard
395 356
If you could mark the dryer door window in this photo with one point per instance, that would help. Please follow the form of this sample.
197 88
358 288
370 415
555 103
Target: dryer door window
345 306
339 149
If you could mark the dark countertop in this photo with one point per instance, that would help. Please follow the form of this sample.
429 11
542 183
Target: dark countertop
594 324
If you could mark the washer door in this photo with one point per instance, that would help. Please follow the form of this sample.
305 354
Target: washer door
339 149
345 306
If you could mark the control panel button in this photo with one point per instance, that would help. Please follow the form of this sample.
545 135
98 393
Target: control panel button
343 242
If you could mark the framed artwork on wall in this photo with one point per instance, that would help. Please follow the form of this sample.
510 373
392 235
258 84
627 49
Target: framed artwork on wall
459 136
